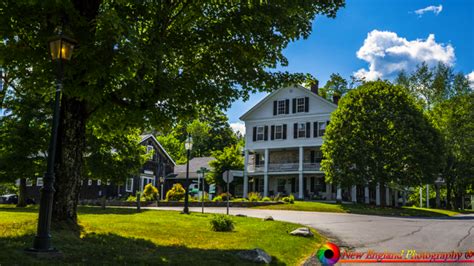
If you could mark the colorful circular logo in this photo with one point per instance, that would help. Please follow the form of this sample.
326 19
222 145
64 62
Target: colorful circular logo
328 254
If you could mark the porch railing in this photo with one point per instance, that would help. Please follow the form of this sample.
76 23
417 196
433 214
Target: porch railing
283 167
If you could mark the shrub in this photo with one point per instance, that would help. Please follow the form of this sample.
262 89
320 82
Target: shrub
292 199
217 198
266 199
286 199
176 193
132 198
277 197
150 192
224 196
239 200
254 196
221 223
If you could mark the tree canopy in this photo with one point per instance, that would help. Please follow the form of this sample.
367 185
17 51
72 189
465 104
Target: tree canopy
379 134
146 62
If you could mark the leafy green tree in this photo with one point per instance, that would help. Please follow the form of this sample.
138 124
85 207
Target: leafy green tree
147 63
455 119
230 158
379 134
24 133
336 85
174 147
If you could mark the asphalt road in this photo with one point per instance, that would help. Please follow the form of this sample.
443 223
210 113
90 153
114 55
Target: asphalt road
379 233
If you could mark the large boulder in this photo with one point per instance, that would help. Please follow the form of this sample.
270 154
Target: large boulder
302 231
255 255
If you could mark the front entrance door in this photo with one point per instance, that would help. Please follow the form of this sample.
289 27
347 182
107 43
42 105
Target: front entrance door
145 180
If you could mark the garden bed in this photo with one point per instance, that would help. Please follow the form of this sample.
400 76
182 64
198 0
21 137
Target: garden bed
180 203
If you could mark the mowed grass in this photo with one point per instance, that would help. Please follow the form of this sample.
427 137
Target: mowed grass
360 209
122 236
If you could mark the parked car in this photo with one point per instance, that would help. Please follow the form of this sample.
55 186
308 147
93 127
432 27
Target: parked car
9 199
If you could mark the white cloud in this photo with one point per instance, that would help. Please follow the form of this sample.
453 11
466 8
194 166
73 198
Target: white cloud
387 54
238 127
435 9
470 77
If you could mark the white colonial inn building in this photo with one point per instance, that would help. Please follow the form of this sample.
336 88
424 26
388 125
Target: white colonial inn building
283 144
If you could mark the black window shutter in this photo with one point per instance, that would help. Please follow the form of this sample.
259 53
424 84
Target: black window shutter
295 131
256 184
287 106
327 123
306 104
284 131
265 137
315 129
294 105
257 159
272 133
312 157
254 137
308 129
312 184
275 103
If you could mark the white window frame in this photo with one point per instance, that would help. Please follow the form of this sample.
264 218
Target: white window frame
260 134
82 182
281 107
129 186
108 182
278 127
301 130
89 182
300 105
143 183
29 182
99 182
321 128
39 182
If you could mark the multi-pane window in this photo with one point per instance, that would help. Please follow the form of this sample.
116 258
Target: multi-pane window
99 182
281 185
129 185
260 133
89 182
301 130
29 182
279 132
39 181
281 109
322 128
108 182
300 105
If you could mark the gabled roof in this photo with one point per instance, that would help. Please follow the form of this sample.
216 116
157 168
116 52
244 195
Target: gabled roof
195 164
145 137
270 96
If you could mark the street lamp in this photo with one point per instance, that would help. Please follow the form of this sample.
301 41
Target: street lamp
61 48
188 145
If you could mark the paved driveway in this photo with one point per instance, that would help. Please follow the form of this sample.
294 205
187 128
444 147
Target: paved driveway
363 232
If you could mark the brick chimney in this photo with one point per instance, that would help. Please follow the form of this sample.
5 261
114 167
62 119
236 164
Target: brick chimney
315 87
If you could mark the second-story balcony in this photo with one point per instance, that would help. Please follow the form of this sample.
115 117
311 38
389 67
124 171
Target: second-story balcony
283 167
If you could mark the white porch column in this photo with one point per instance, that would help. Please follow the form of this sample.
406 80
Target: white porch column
366 195
387 196
427 196
339 194
395 203
354 194
246 176
377 194
404 198
300 170
265 174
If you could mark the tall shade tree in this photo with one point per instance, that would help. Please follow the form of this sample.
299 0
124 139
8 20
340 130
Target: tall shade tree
379 134
230 158
455 119
336 85
147 62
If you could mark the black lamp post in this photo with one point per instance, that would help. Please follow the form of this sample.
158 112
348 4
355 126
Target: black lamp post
61 48
188 145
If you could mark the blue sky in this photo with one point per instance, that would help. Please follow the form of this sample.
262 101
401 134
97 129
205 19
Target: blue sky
440 30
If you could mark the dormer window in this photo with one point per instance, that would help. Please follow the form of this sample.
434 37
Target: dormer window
281 107
301 105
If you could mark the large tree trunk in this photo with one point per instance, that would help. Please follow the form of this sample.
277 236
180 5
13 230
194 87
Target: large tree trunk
22 193
69 162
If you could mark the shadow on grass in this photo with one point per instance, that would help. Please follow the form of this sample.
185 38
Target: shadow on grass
80 209
390 211
113 249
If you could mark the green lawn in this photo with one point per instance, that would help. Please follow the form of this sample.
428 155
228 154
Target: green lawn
359 209
122 236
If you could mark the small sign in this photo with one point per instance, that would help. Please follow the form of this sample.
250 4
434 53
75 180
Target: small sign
212 189
228 176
